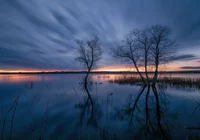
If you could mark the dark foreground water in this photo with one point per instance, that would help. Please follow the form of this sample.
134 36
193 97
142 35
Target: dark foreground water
52 107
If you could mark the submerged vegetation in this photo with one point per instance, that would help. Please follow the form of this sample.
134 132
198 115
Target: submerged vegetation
178 82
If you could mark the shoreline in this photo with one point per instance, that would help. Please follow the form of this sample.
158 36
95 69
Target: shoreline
100 72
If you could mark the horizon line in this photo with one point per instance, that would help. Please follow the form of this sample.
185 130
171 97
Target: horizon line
94 71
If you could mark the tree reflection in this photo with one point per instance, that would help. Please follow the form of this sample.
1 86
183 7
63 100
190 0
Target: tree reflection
89 112
147 114
88 54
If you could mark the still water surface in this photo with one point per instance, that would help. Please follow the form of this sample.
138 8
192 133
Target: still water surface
48 107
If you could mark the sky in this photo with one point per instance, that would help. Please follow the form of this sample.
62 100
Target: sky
40 34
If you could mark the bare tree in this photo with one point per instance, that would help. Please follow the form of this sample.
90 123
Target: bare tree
88 54
163 47
144 42
147 48
129 52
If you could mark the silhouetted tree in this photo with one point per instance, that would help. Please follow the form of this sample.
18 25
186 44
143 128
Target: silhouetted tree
88 54
129 52
146 49
162 49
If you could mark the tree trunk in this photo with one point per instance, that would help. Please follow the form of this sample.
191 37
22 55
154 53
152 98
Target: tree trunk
89 96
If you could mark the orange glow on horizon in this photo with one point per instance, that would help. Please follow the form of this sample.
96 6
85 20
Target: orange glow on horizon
113 68
25 71
116 68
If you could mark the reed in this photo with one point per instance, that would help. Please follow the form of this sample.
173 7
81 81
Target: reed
178 82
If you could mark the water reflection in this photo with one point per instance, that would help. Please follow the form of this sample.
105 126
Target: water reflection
61 110
152 120
19 78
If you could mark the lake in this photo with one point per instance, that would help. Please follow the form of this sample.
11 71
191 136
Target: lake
51 106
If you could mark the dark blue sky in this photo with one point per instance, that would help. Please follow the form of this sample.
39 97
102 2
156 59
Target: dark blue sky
40 34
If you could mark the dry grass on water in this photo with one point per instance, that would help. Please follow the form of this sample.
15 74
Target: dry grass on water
178 82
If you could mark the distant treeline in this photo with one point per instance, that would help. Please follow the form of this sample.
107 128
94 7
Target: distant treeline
99 72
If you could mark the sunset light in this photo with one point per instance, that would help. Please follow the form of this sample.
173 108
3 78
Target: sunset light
99 69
